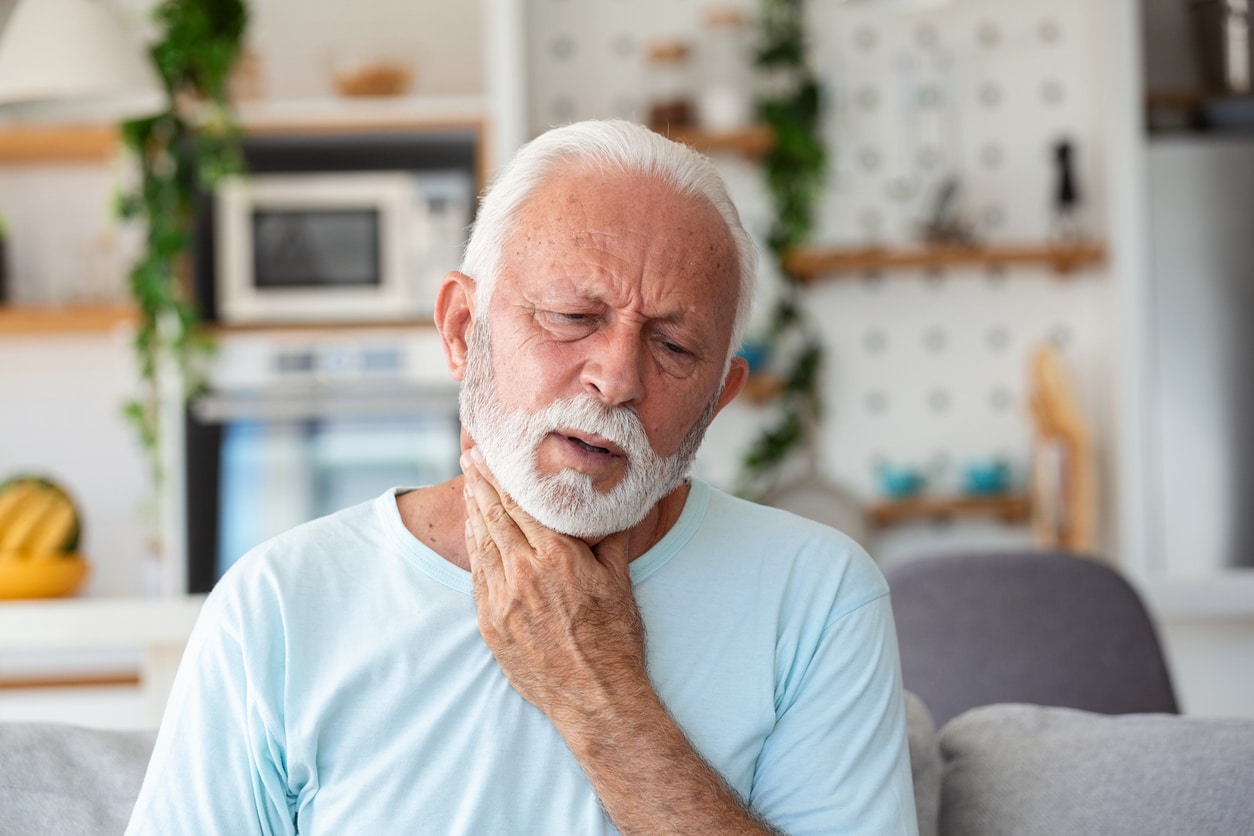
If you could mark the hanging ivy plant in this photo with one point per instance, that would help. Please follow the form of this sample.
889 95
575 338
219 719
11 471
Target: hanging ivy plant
795 167
180 150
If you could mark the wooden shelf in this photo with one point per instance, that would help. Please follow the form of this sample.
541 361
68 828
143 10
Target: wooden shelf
409 325
70 319
1186 99
90 680
384 113
21 144
752 142
810 264
1009 508
84 143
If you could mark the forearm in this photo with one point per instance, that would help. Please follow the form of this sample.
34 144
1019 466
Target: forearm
646 773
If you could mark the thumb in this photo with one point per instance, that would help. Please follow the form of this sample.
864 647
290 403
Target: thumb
611 552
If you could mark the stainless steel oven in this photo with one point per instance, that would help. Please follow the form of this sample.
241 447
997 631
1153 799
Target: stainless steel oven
295 425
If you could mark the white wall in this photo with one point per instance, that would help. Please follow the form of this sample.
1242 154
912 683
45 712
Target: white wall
299 42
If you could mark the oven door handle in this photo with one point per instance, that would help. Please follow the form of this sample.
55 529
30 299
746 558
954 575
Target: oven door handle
221 408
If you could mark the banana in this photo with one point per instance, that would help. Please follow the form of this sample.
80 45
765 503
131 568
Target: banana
36 558
12 498
11 558
25 520
53 529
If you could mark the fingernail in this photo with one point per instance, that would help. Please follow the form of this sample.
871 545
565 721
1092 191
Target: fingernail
476 453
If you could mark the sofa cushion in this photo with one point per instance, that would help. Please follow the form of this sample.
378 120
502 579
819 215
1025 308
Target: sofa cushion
58 778
1033 771
925 763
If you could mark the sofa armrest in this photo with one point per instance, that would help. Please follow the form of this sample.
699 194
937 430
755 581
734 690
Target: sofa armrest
1042 771
57 778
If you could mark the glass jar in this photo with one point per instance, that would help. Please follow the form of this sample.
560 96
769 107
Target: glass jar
669 85
724 94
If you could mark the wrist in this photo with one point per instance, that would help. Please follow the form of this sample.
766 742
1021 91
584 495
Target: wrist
609 712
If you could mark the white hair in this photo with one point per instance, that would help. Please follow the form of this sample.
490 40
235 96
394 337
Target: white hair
617 147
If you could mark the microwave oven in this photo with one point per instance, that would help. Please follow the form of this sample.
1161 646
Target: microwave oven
355 246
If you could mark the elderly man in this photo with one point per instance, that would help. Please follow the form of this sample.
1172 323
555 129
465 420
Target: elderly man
573 637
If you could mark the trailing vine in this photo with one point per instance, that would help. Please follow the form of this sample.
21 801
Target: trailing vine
189 145
795 167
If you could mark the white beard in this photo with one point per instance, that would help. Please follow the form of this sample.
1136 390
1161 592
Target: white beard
567 501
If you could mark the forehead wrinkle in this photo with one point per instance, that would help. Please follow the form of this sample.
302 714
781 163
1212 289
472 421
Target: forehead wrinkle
562 216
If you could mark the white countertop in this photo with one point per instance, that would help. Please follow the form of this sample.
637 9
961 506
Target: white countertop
97 623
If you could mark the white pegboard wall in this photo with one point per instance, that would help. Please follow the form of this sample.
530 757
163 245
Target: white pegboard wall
978 89
932 372
923 369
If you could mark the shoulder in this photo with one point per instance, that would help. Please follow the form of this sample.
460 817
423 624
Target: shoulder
787 539
307 563
804 559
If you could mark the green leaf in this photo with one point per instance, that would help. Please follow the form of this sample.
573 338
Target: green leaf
794 170
197 44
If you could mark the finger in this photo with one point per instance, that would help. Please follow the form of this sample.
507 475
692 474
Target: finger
492 520
484 473
612 552
485 557
533 532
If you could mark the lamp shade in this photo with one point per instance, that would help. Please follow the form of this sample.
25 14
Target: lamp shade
74 61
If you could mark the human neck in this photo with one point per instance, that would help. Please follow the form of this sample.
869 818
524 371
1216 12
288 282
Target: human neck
437 517
661 519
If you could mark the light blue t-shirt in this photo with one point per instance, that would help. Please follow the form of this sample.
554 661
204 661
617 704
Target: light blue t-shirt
336 683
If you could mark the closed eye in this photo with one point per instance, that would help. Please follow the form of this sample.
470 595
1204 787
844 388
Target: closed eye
568 324
674 358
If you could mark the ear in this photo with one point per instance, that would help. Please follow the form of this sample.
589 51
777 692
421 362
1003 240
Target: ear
737 376
454 316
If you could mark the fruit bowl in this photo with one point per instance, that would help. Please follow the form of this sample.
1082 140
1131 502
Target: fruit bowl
41 577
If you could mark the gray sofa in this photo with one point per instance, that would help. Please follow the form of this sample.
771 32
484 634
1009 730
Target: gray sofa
1002 770
1030 770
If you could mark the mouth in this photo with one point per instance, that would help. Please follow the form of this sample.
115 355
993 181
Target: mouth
592 448
595 457
593 444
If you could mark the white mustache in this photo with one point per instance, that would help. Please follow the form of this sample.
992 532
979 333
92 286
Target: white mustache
584 414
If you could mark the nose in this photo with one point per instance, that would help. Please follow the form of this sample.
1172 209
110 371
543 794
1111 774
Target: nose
613 370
